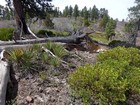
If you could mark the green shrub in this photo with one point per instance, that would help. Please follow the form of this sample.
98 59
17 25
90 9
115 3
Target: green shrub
43 75
116 43
86 22
6 34
108 81
60 33
131 55
44 32
52 33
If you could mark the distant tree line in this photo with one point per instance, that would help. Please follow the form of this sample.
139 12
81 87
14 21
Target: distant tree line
91 15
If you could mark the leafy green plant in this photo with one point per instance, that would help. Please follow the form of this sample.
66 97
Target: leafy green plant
111 79
43 75
6 34
131 55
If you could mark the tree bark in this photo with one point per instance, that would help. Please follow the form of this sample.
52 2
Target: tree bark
20 17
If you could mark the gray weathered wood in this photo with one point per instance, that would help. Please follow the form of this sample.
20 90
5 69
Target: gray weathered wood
4 77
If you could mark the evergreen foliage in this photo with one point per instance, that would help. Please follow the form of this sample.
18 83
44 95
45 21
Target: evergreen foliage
76 11
65 11
48 21
86 15
130 26
34 8
94 13
134 11
70 11
104 21
110 28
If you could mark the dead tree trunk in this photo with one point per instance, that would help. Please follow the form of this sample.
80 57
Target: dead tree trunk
4 77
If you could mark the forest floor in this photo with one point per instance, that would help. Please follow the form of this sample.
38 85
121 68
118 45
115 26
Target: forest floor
54 90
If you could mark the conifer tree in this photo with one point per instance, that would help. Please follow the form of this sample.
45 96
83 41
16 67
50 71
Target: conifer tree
34 8
76 11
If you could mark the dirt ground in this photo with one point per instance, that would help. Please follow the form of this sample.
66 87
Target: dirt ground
54 90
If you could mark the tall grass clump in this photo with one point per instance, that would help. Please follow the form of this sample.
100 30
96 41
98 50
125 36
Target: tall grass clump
109 81
57 49
6 34
34 56
23 58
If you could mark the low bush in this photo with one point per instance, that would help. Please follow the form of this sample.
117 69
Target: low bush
43 75
52 33
116 43
86 22
6 34
109 81
44 32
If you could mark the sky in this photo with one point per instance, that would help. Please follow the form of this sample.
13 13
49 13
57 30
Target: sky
117 8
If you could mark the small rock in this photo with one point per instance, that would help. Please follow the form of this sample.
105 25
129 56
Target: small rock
29 99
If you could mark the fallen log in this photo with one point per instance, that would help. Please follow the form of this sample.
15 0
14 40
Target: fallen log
68 39
4 77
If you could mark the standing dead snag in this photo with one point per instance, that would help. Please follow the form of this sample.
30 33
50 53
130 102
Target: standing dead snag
4 77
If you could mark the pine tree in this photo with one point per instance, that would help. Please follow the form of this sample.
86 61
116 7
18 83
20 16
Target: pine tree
94 13
110 28
104 21
70 11
134 11
66 11
103 12
82 13
76 11
86 15
34 8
